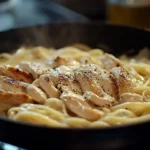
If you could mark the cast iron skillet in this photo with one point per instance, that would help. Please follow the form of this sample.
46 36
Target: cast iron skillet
114 39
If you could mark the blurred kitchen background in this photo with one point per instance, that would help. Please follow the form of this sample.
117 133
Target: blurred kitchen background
22 13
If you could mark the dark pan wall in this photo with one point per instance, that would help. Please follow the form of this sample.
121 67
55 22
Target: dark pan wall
114 39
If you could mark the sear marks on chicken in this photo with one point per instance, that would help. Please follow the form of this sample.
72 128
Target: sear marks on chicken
109 61
11 85
36 69
16 74
92 77
14 99
59 61
123 80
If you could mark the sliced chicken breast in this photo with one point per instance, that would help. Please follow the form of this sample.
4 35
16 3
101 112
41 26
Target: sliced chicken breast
78 105
36 83
66 70
124 80
16 74
48 86
11 85
59 61
66 82
36 69
107 81
93 78
54 84
37 94
109 61
104 101
12 98
131 97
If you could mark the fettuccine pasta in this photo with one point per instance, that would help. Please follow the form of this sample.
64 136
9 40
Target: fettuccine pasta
75 86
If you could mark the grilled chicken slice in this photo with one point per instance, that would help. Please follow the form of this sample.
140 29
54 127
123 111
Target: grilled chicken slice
93 78
36 69
53 84
66 82
67 70
16 74
85 82
78 105
104 101
109 61
36 83
107 81
59 61
12 98
131 97
123 79
36 93
48 86
11 85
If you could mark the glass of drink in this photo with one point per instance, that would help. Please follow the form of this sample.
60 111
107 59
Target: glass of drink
129 12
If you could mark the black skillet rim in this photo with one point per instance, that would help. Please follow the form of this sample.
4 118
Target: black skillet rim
114 128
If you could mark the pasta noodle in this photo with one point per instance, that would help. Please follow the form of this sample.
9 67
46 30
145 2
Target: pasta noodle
75 104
